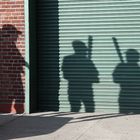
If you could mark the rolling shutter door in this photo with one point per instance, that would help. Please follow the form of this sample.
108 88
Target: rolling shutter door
48 54
63 23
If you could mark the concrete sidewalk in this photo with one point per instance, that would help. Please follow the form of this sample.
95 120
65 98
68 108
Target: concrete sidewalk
69 126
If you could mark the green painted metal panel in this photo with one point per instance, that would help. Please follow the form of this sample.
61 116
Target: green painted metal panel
27 59
84 78
48 54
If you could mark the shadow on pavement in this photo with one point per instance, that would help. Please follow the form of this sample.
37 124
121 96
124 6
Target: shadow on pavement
28 126
97 117
47 123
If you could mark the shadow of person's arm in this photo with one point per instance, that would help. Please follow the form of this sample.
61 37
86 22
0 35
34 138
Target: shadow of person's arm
27 65
95 74
65 68
118 73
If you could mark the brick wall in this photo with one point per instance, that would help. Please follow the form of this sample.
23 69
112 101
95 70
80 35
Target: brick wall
12 56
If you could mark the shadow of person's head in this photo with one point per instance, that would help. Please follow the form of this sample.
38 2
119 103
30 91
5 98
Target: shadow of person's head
79 48
132 56
9 32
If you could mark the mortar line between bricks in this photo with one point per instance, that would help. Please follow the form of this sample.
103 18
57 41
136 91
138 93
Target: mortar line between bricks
86 131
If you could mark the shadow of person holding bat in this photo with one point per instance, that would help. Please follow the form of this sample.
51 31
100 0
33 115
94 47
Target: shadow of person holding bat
81 73
127 74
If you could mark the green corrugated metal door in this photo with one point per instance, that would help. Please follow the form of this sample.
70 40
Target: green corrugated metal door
80 67
48 54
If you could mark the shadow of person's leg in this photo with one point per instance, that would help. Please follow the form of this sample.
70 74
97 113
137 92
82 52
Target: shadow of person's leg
89 103
75 103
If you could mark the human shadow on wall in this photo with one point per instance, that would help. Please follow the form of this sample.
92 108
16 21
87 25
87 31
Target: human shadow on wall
81 73
11 68
127 75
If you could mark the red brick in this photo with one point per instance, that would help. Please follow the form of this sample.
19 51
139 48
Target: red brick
11 58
